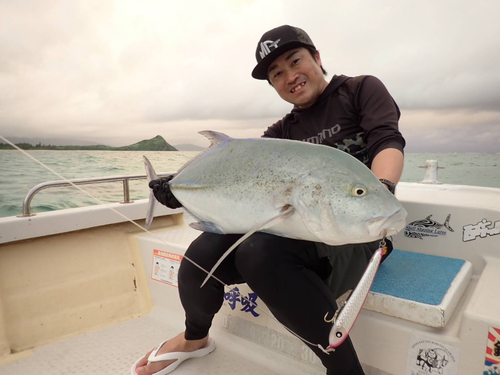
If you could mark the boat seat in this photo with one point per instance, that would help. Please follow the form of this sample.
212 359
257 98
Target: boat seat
417 287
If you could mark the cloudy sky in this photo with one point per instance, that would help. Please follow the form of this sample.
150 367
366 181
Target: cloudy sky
117 72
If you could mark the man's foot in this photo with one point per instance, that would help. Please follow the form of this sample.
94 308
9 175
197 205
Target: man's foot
177 344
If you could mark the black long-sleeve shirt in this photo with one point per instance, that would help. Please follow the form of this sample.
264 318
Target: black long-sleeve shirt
354 114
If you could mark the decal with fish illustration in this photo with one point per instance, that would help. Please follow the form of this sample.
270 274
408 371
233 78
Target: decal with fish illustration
427 228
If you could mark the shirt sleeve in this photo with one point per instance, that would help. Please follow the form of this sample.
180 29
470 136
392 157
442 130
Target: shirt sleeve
379 115
275 130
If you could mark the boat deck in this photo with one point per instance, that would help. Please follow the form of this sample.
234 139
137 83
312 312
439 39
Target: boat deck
113 350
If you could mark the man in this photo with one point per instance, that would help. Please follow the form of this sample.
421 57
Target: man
356 115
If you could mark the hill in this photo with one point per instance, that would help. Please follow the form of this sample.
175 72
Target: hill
157 143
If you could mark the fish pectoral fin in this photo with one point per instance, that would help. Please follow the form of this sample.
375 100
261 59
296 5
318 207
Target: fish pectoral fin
315 221
206 226
285 212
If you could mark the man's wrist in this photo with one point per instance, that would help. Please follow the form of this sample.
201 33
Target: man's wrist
391 186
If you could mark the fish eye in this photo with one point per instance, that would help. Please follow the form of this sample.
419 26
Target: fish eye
359 191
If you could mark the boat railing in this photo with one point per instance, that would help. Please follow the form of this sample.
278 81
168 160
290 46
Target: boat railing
86 181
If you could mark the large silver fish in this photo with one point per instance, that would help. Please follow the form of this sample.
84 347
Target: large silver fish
288 188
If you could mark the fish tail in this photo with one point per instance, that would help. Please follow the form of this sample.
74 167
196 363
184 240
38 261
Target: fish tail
447 223
150 172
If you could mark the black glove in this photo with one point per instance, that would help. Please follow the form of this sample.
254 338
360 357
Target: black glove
162 193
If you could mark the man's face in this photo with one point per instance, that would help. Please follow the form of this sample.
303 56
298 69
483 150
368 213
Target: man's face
297 77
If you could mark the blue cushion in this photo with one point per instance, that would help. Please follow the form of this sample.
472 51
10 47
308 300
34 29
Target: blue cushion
416 277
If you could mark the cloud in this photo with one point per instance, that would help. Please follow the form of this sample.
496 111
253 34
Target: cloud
451 131
100 69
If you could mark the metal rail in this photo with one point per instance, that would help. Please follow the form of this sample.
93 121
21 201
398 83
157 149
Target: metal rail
431 177
87 181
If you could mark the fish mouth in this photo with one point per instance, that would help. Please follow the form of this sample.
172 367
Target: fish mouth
388 225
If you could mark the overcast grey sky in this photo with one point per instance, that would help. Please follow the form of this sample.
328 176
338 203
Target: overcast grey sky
117 72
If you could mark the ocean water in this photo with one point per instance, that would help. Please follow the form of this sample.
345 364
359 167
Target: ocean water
19 173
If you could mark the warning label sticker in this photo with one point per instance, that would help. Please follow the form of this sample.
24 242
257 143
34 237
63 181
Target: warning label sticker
166 267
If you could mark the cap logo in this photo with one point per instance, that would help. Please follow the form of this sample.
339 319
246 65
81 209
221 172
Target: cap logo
265 47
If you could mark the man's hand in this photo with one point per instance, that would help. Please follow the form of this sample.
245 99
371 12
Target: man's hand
162 193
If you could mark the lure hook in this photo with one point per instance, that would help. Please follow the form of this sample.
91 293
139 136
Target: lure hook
332 320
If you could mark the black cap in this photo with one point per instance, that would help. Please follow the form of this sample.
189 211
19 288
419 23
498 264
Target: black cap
276 42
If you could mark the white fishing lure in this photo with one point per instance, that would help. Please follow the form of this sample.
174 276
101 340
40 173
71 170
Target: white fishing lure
347 314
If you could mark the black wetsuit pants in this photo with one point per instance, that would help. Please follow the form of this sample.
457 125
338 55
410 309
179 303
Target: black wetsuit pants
287 275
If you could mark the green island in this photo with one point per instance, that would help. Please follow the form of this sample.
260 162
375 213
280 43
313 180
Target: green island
157 143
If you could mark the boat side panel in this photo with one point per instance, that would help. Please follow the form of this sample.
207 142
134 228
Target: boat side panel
15 228
447 220
62 285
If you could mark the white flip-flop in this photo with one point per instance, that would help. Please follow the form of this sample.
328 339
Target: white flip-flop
179 356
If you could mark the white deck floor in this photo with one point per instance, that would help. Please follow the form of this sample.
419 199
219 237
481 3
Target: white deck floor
112 351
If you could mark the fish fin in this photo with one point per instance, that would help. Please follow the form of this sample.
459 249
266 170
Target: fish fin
285 212
150 172
206 226
151 210
315 221
215 139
